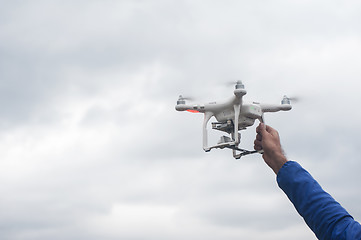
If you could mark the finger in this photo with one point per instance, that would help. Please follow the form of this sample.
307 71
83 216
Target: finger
260 128
257 147
259 137
257 129
258 143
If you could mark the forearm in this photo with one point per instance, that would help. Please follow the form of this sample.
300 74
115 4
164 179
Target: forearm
326 217
275 161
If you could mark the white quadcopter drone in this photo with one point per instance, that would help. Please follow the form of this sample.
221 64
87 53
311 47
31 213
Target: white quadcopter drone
232 116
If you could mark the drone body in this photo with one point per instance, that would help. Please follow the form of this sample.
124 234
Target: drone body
232 116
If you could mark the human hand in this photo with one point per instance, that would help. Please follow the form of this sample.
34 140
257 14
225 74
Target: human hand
268 140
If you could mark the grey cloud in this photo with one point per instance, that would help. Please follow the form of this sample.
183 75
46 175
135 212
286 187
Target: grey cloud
88 121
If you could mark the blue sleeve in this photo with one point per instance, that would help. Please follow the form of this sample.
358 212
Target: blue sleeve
326 217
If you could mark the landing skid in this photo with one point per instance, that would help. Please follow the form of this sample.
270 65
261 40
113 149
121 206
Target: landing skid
232 145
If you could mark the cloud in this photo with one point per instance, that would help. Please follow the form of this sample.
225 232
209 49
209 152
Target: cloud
92 146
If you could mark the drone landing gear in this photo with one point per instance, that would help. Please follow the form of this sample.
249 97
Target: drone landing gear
243 153
227 142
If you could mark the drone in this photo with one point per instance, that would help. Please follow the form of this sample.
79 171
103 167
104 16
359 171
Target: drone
232 116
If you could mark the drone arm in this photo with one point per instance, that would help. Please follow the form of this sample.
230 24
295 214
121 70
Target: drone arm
275 107
207 117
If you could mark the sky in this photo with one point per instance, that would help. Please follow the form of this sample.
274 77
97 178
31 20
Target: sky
91 146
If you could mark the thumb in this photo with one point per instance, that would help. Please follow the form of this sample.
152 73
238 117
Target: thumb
270 130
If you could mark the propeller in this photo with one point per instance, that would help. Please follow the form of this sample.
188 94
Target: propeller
294 99
186 98
287 100
237 82
182 100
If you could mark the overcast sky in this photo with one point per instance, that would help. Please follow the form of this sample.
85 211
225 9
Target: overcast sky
91 146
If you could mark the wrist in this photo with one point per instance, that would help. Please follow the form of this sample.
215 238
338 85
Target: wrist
280 160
